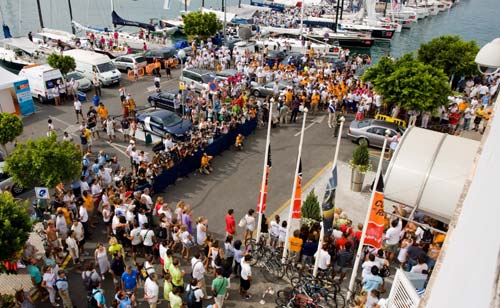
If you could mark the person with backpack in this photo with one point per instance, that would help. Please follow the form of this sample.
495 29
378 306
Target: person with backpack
62 287
91 278
151 290
97 298
219 287
194 294
198 269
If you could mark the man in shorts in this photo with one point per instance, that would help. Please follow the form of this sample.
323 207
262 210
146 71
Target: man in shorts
245 277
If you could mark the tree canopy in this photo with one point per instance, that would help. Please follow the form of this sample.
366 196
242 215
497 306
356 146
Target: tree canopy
65 64
201 25
15 225
451 54
44 162
11 126
409 83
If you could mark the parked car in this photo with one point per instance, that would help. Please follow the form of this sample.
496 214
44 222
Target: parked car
294 58
160 122
127 62
225 74
164 54
373 131
275 56
84 84
199 77
164 100
263 90
6 182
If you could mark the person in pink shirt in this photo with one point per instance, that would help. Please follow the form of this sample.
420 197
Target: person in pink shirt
230 223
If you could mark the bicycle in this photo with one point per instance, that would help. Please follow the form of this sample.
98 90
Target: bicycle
257 249
292 299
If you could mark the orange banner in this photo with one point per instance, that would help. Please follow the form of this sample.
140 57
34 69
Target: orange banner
375 228
297 201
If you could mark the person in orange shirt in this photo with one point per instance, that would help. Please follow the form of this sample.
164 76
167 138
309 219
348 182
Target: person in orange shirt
205 164
102 111
295 245
315 102
239 142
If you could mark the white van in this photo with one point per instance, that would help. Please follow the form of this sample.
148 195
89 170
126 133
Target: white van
42 78
88 63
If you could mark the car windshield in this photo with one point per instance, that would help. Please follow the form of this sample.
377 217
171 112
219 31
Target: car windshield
207 78
167 95
140 59
171 119
364 123
74 75
106 67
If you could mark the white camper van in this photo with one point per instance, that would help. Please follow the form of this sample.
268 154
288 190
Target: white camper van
88 63
42 78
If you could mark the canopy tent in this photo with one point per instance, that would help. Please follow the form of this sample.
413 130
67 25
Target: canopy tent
428 171
15 96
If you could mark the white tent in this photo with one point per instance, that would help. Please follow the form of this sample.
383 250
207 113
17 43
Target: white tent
14 100
428 171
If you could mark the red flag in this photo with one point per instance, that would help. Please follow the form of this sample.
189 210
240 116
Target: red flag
297 200
263 194
375 228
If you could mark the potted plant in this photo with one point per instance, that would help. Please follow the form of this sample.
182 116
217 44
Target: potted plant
360 164
311 212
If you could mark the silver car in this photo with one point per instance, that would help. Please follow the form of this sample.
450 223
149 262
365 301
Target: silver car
127 63
263 90
84 83
373 131
6 182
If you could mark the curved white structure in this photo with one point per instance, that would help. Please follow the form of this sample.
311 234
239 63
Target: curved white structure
428 171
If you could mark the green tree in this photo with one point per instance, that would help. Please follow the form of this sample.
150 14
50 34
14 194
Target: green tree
11 126
44 162
65 64
201 25
15 225
409 83
361 157
311 212
451 54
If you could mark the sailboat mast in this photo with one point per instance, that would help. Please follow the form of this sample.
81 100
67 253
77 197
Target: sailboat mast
39 13
341 9
337 16
71 17
301 19
112 10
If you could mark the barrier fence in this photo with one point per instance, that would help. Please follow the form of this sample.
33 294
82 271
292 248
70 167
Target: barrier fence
192 163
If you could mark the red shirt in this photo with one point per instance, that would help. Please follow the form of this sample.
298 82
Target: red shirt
340 243
230 224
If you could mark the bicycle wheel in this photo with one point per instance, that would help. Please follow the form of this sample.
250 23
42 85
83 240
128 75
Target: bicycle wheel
278 269
296 281
267 272
339 300
282 303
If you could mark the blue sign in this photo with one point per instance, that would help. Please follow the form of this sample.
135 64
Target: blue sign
24 98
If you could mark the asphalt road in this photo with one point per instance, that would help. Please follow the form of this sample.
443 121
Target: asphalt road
235 182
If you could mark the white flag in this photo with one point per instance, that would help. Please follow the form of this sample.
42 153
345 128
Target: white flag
166 4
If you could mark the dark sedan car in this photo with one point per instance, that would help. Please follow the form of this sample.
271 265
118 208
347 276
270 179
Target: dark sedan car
163 100
160 122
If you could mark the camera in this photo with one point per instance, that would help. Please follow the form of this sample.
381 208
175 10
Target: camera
488 58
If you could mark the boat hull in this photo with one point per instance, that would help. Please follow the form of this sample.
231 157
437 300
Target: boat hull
14 67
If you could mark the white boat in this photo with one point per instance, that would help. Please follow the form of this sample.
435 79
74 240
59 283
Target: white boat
17 52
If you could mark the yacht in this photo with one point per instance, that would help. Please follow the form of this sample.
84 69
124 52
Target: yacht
18 52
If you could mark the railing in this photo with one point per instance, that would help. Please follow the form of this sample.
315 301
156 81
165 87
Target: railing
403 293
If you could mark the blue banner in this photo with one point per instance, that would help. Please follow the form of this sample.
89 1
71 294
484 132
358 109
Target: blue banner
24 98
192 163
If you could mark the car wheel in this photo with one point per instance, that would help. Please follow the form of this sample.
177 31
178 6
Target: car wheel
40 99
17 189
256 93
128 69
361 140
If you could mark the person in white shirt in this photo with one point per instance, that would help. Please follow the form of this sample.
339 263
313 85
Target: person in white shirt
142 218
73 250
421 267
105 176
367 265
198 269
148 237
197 287
201 231
324 258
467 117
392 236
274 231
245 276
249 224
151 290
78 110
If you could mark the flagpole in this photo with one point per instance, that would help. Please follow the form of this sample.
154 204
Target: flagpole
264 169
334 164
289 221
365 225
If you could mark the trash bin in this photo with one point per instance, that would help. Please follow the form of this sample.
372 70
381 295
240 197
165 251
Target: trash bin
148 139
82 97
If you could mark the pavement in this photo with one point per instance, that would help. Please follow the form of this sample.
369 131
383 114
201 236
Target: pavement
234 183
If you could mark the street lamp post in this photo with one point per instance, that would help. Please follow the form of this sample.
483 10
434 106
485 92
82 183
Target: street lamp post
181 53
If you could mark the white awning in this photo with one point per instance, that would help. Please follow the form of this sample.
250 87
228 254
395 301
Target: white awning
428 171
8 78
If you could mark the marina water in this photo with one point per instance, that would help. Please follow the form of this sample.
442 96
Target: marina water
471 19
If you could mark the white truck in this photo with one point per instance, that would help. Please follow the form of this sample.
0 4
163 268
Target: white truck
42 79
89 63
